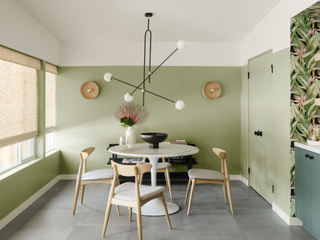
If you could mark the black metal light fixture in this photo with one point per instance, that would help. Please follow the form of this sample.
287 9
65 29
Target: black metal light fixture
108 77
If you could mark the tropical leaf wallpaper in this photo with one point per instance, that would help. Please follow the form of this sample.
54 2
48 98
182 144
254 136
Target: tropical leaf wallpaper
305 81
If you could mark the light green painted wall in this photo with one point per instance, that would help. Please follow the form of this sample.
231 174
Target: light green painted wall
82 123
244 121
279 174
18 187
281 129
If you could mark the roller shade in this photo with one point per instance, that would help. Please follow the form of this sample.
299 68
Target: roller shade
18 101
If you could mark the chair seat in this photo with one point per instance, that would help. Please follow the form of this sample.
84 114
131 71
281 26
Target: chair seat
126 191
160 165
97 174
206 174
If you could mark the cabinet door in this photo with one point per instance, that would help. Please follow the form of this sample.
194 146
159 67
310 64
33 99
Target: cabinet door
315 199
303 186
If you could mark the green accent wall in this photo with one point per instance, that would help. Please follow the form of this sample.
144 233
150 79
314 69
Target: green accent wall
20 186
82 123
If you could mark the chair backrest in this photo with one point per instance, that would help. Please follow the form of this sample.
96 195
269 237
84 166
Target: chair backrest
84 154
223 156
220 153
130 170
126 170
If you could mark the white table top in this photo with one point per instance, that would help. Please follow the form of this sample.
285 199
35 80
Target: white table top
164 150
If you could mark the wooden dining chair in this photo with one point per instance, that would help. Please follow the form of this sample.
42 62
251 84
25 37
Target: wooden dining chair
198 176
133 195
104 176
164 168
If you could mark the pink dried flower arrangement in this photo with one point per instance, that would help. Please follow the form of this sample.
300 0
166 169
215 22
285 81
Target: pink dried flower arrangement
130 114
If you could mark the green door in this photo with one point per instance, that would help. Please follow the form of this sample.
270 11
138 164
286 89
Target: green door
303 186
315 194
260 122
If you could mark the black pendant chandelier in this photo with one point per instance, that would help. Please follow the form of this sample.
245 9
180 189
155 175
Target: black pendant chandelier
108 77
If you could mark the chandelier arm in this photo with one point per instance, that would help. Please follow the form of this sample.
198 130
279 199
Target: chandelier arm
126 83
156 69
165 60
160 96
145 90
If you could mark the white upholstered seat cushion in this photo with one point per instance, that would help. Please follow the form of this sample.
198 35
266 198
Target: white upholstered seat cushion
97 174
206 174
126 191
160 165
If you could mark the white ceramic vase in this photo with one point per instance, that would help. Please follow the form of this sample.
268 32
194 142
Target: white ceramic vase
131 136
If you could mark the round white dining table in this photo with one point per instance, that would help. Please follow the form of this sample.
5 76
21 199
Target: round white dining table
155 207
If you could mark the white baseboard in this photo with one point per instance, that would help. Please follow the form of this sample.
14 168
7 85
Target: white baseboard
239 178
68 176
291 221
27 203
294 221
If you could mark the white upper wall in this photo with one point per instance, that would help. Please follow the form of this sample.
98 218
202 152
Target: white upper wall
131 54
22 32
273 32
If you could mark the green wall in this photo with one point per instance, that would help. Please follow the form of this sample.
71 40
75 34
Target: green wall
18 187
82 123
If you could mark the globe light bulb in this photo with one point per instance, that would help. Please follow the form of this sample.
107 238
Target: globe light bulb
108 77
179 104
182 44
128 97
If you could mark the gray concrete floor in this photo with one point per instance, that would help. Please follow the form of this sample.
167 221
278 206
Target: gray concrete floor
50 217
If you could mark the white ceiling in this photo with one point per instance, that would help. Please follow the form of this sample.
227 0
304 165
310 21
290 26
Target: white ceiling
124 20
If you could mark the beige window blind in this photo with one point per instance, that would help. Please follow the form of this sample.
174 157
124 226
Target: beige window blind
19 58
18 99
51 71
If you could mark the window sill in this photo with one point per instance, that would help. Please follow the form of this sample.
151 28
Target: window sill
21 166
51 152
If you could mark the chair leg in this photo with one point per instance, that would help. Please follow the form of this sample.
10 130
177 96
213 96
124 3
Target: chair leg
82 193
76 194
230 196
191 195
188 189
167 177
165 210
106 218
139 222
140 179
225 193
118 210
130 214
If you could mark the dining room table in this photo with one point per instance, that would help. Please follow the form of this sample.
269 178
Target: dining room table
155 207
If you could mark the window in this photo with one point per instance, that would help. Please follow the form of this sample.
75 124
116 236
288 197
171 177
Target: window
15 154
18 107
51 72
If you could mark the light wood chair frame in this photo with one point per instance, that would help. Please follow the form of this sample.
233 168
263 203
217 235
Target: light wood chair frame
225 183
84 154
166 175
129 171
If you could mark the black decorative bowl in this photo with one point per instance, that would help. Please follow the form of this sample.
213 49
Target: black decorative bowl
153 138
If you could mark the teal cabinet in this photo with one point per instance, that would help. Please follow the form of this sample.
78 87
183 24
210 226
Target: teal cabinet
307 185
